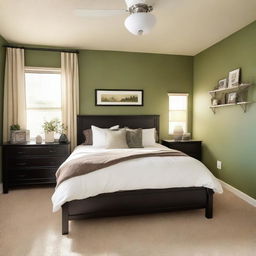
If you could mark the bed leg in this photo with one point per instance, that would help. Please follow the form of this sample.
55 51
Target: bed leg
65 219
209 204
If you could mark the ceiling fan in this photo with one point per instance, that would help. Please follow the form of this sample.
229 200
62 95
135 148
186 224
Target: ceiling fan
139 22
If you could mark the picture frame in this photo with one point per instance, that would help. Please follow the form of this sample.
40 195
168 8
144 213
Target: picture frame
215 102
118 97
234 78
222 84
231 97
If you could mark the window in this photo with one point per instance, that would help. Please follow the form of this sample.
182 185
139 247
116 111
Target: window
43 97
178 111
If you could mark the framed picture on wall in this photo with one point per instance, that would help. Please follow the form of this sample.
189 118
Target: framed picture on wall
234 78
114 97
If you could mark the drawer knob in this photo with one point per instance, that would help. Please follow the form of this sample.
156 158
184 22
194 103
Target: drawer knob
51 151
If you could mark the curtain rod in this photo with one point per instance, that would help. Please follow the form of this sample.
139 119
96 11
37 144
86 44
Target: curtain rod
41 49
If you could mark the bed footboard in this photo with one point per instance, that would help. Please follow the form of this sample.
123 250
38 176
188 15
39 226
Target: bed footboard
138 202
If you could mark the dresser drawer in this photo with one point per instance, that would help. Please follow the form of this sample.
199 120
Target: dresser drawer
13 152
36 162
30 173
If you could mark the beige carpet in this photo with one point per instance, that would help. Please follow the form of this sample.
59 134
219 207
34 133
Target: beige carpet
29 228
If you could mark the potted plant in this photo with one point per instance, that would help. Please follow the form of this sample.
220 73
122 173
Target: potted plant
50 128
17 135
15 127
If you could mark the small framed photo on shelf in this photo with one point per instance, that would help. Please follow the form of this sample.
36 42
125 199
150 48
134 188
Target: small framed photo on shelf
231 97
215 102
222 84
234 78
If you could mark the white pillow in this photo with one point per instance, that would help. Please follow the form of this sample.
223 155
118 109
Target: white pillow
99 135
148 137
116 139
115 127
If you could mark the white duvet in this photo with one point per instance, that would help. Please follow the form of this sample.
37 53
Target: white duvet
140 173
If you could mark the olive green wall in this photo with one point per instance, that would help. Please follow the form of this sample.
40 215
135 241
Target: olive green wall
156 74
42 59
230 134
2 62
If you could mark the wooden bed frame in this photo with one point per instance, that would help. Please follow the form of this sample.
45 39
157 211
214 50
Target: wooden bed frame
135 201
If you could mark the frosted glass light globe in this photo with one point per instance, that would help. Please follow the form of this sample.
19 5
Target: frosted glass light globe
140 23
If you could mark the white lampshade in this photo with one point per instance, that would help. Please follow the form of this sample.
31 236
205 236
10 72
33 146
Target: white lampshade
140 23
178 132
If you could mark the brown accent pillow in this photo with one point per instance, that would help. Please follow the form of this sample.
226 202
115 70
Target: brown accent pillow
88 136
134 138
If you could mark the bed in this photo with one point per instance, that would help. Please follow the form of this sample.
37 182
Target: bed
132 200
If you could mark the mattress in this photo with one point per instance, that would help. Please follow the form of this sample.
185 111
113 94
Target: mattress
134 174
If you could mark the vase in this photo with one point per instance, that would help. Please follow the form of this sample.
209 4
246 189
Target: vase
63 139
49 137
38 139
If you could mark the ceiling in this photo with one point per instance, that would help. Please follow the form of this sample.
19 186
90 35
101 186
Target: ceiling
183 27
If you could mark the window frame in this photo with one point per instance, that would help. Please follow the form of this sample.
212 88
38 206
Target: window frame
187 115
41 70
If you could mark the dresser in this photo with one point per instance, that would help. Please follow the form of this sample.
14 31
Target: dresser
192 148
31 164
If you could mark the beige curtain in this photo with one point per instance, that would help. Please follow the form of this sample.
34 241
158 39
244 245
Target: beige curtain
70 94
14 91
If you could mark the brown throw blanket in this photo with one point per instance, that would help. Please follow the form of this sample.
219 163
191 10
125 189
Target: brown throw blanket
93 162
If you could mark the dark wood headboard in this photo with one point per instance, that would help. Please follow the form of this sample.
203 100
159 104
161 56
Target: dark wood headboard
131 121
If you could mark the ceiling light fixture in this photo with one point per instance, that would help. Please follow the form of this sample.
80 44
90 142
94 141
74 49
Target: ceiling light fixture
140 21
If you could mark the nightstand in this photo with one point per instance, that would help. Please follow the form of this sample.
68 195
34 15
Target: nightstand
189 147
31 164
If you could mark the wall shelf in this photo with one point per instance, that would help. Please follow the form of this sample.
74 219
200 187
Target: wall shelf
243 105
220 94
230 89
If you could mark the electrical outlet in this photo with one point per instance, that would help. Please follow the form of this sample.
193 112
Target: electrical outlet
219 164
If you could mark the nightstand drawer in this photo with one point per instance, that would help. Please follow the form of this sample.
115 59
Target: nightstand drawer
191 148
36 161
14 152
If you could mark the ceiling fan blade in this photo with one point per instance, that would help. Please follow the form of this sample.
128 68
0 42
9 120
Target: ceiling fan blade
95 13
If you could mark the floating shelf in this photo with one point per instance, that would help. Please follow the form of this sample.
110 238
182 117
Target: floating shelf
230 89
243 105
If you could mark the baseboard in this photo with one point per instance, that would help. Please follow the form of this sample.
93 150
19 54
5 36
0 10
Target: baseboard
1 188
239 193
